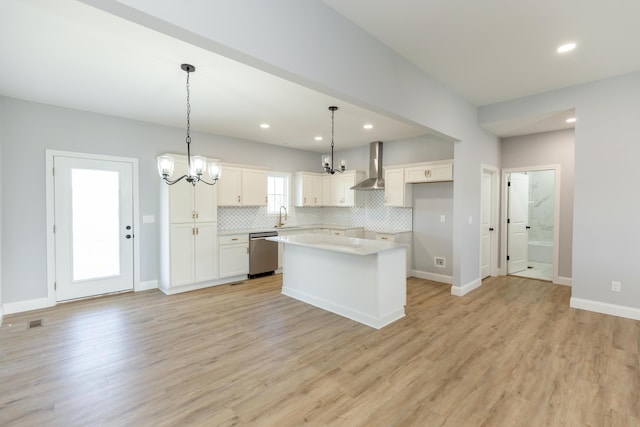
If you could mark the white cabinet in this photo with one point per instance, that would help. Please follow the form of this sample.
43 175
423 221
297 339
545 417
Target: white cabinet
309 189
188 234
234 255
254 187
242 186
326 189
341 193
230 186
430 172
396 191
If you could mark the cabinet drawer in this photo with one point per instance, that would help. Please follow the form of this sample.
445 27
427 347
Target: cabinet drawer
232 239
386 237
431 173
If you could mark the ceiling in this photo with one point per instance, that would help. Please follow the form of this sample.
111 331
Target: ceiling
69 54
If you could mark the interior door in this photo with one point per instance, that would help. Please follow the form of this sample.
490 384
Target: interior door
93 227
517 223
486 224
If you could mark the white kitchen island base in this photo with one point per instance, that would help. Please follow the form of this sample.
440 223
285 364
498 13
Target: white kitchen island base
363 280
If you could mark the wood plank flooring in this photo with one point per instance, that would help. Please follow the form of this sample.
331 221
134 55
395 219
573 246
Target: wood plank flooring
511 353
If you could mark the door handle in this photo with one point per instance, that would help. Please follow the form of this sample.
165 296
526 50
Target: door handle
490 228
128 227
528 228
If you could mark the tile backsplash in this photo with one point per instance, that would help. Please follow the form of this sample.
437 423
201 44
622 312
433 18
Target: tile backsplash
373 215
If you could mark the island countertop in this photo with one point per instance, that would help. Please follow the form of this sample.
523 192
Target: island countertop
348 245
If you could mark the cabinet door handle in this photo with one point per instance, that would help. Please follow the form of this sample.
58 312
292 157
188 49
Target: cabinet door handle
304 200
238 199
193 214
193 231
384 238
315 200
197 231
197 214
234 239
266 199
427 173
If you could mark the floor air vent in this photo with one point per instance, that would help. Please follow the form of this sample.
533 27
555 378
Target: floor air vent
34 323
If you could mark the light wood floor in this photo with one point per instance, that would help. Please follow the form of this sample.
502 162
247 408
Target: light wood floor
511 353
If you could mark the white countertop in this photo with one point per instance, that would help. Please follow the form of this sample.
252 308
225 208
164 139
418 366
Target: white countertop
230 231
347 245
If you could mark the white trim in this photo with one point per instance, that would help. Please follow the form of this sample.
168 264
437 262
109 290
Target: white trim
195 286
565 281
50 205
605 308
145 286
442 278
495 208
460 291
556 214
27 305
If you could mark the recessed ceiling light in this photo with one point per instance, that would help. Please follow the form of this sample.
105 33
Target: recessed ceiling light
265 125
567 47
318 138
368 126
571 120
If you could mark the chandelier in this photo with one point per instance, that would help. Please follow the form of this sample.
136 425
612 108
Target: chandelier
196 165
328 167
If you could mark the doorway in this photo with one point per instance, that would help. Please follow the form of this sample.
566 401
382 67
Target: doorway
532 218
92 214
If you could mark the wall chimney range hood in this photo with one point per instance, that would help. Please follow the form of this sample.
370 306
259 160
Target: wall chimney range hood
376 177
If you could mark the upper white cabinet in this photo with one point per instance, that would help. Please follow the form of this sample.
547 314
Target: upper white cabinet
242 186
341 193
190 203
437 171
309 189
396 192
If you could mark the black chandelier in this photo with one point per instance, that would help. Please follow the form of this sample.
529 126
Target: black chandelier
328 167
196 165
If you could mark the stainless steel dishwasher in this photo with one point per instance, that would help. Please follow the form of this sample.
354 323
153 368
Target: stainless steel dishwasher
263 254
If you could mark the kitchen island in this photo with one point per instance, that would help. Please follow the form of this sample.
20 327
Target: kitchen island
363 280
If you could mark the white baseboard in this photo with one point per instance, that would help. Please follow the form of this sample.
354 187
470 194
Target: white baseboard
202 285
28 305
465 289
605 308
566 281
432 276
145 286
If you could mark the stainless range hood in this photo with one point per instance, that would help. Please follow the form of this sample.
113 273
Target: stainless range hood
376 177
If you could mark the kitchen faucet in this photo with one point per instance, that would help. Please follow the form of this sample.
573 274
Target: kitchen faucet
280 223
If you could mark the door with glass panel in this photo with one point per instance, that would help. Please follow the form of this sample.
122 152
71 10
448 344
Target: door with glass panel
93 227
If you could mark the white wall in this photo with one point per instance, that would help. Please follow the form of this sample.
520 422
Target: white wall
309 43
549 148
606 207
29 129
2 114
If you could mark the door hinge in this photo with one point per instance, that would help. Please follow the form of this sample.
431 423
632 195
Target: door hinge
507 257
53 171
55 286
509 184
508 221
54 229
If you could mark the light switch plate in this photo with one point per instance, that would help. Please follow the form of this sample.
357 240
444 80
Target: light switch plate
148 219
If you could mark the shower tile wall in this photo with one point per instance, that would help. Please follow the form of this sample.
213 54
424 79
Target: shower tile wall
373 215
541 200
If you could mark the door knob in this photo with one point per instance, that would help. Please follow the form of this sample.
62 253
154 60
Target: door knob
128 227
128 236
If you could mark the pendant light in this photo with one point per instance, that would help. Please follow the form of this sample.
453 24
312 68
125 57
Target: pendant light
328 167
196 165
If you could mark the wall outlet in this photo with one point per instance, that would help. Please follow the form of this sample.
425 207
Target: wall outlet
616 286
439 261
443 218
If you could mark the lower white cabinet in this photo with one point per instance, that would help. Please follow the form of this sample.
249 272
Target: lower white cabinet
234 255
402 237
193 253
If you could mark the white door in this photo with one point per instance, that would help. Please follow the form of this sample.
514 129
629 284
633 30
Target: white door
517 220
94 233
486 228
